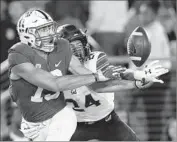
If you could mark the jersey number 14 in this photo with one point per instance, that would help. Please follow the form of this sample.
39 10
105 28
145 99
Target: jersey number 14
89 101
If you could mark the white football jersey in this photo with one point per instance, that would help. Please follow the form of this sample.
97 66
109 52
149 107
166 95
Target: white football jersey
89 105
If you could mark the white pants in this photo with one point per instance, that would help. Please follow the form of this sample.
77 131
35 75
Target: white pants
60 127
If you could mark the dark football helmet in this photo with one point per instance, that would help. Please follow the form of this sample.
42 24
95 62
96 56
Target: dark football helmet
77 38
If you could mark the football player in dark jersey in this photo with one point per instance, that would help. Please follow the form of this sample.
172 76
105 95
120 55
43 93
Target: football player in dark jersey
37 70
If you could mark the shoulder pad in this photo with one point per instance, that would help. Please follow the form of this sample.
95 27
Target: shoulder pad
62 44
98 54
102 60
21 48
20 53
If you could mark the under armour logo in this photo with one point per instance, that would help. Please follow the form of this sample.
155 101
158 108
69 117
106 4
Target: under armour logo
149 71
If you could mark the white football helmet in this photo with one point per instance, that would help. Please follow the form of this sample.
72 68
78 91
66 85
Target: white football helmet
37 29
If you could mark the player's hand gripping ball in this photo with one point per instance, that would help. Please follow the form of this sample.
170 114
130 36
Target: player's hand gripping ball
138 46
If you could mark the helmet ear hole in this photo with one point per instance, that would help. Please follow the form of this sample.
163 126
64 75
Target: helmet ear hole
27 37
26 30
29 44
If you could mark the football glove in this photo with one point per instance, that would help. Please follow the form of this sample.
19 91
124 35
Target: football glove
150 73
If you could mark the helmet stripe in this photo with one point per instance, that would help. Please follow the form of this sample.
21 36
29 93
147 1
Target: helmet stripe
43 14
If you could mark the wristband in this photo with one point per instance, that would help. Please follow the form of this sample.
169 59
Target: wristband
139 75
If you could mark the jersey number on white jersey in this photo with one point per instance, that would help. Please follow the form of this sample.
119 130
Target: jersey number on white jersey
89 101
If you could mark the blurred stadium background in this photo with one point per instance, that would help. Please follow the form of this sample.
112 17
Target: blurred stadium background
152 112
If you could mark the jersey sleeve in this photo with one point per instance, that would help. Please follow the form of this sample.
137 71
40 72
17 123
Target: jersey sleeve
104 65
16 59
102 62
19 53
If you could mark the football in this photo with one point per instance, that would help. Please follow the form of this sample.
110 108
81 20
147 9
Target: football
138 46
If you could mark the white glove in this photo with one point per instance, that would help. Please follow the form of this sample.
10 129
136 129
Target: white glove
150 73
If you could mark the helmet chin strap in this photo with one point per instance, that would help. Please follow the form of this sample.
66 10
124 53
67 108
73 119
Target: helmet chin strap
47 47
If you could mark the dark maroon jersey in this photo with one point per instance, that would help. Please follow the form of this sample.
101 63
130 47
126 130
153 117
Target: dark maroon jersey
37 104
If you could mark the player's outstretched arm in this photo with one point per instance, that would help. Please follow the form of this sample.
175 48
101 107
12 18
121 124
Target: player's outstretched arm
130 79
118 85
126 78
47 81
77 68
103 86
150 73
112 86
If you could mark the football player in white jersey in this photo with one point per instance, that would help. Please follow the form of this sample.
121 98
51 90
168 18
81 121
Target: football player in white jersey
94 105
